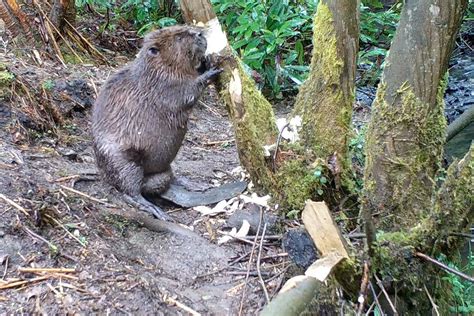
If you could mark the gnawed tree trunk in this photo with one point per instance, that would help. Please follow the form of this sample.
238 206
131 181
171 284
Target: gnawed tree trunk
251 114
326 98
404 146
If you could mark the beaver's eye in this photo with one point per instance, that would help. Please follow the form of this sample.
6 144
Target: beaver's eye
153 50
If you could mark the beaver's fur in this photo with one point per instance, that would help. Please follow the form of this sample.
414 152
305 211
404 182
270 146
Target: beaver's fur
140 116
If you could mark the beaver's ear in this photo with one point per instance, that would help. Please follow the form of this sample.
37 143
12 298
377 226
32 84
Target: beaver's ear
153 51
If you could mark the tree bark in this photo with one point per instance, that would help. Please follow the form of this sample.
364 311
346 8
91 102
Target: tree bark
325 99
195 11
407 130
16 21
62 11
404 147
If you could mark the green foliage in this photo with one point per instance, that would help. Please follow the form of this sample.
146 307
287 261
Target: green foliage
146 15
271 37
462 291
48 85
377 29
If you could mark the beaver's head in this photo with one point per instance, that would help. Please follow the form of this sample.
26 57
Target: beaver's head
180 49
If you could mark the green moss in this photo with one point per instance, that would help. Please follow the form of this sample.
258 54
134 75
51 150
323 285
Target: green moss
254 125
321 102
6 77
297 183
403 153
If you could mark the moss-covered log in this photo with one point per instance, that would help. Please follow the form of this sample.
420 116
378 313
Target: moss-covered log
325 99
407 130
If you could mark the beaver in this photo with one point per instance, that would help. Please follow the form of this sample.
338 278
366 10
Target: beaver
140 116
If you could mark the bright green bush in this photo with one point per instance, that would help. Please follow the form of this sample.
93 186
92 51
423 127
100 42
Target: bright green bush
272 37
145 15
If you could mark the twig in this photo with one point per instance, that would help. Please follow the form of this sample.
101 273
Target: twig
363 288
87 196
218 142
46 270
464 41
23 282
269 237
182 306
244 290
67 231
209 108
33 234
75 176
445 267
223 268
15 205
376 300
379 283
242 239
435 307
87 42
258 264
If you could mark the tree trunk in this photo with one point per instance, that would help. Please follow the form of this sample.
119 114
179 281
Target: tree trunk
16 21
62 11
407 131
325 100
404 145
195 11
251 114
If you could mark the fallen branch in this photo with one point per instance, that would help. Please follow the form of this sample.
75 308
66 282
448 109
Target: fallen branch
445 267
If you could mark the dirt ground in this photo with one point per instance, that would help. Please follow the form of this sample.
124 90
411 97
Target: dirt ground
118 265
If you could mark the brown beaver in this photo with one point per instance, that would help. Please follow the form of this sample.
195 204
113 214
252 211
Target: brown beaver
140 116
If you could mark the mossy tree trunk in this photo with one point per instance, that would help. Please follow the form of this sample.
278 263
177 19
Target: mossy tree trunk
251 114
407 131
403 210
325 99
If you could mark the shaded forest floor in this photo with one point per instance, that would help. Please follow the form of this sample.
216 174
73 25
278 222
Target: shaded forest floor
119 265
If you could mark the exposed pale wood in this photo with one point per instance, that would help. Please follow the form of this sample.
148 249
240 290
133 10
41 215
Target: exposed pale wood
195 11
323 230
